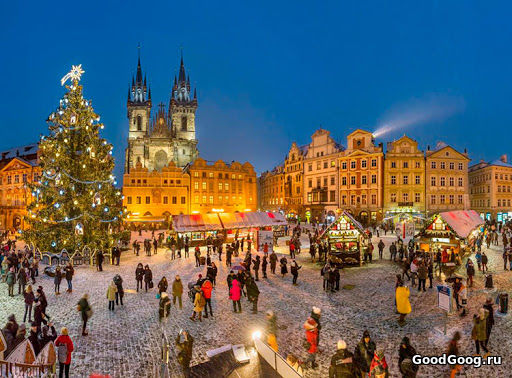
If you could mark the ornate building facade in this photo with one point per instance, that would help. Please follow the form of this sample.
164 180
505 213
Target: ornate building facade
271 189
446 176
490 189
170 136
18 166
321 177
293 175
404 179
164 174
361 168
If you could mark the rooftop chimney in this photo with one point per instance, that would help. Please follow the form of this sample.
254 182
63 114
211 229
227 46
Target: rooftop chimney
503 158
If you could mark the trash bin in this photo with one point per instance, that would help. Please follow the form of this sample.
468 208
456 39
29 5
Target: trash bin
202 260
503 303
488 281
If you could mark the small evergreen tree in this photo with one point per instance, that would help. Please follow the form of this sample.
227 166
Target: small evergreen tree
75 202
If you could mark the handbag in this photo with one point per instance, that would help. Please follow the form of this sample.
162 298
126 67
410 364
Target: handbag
158 296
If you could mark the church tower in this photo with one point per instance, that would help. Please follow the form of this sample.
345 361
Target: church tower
139 106
182 107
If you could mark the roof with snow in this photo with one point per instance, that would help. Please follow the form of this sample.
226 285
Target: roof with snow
461 222
27 153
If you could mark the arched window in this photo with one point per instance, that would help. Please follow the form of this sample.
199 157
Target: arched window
183 123
139 123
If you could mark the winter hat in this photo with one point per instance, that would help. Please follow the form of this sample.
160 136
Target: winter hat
342 344
11 318
316 310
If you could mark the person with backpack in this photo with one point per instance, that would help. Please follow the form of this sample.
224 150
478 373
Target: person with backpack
64 349
148 278
342 364
164 306
111 295
199 303
69 271
120 290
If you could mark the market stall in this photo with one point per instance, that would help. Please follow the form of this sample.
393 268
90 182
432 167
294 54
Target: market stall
197 227
347 240
453 233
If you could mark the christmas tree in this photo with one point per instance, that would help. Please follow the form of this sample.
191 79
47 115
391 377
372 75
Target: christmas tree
75 203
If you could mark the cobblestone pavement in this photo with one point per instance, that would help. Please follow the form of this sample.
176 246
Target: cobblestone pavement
126 342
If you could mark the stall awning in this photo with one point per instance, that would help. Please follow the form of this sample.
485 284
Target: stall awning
196 222
462 222
251 219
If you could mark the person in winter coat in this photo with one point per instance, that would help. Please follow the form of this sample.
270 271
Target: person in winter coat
381 248
403 305
148 278
32 337
316 313
22 280
206 288
252 294
69 271
363 354
199 303
453 350
162 285
177 291
256 267
184 351
470 271
264 266
484 262
272 330
139 275
284 268
342 363
405 354
29 301
10 280
235 293
422 276
490 318
64 340
111 295
479 331
294 270
273 262
99 260
379 367
120 290
85 312
48 333
312 339
164 306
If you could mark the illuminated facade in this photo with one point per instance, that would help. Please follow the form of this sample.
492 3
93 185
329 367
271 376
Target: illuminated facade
293 184
271 189
321 177
361 168
219 187
18 166
490 190
446 176
404 179
169 136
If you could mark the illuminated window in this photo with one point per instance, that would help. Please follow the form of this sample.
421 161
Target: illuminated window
211 199
196 185
203 185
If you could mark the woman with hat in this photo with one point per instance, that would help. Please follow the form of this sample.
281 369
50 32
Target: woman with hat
311 327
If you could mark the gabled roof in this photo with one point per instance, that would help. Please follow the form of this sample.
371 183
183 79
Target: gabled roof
442 146
359 131
17 160
351 219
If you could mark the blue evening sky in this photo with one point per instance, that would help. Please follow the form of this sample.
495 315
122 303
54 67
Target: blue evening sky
269 73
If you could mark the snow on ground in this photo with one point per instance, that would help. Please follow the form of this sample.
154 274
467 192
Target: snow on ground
127 342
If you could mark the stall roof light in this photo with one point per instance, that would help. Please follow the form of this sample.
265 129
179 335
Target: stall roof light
218 210
195 212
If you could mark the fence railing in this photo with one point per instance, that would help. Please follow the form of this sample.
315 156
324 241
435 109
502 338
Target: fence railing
14 369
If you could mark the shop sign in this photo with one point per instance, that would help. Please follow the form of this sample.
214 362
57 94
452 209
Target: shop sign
440 240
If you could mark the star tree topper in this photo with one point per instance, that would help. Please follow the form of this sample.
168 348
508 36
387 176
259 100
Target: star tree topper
74 74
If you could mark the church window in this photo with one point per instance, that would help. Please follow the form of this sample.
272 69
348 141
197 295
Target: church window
166 200
129 200
174 200
148 200
139 123
184 124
